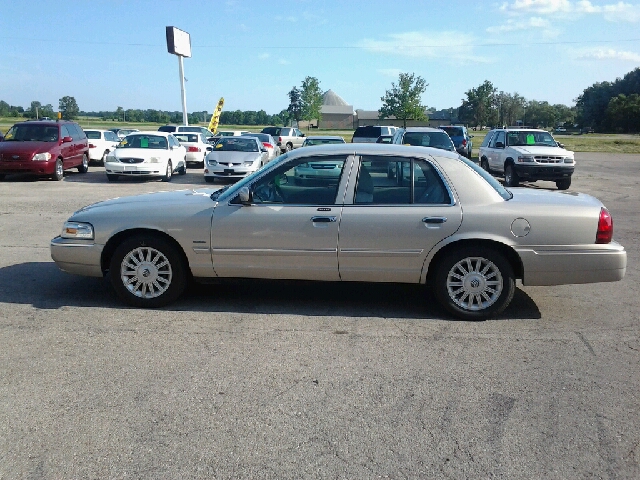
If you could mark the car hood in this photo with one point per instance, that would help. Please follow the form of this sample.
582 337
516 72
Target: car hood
223 157
156 201
139 152
25 148
530 197
538 150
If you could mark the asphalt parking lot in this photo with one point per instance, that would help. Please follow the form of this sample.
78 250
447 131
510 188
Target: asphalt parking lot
296 380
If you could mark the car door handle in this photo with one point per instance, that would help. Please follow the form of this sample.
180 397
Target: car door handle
323 219
434 219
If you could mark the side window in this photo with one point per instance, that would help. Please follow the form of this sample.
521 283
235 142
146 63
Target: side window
399 181
498 137
487 139
303 181
73 131
81 133
64 131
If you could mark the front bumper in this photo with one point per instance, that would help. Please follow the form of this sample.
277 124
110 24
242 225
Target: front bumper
77 257
559 265
543 172
30 167
136 169
224 171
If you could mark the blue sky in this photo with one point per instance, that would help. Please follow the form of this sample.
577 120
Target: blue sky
113 53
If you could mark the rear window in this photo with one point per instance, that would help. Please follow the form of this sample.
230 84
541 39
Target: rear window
273 131
190 129
93 135
263 137
167 128
187 137
368 131
453 131
428 139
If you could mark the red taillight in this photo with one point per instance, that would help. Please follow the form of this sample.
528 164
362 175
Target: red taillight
280 139
464 143
193 149
91 145
605 227
267 144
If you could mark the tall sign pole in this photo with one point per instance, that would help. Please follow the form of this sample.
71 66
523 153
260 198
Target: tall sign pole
179 43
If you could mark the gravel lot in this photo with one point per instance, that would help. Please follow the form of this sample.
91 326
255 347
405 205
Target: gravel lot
295 380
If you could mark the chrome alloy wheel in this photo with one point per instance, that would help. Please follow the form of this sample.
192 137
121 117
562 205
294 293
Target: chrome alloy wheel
59 169
474 283
146 272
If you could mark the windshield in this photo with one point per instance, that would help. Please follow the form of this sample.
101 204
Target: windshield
230 190
453 131
497 186
154 142
263 137
236 144
529 138
428 139
322 141
186 137
32 133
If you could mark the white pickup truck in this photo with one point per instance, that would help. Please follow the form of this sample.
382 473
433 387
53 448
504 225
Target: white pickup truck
526 154
287 138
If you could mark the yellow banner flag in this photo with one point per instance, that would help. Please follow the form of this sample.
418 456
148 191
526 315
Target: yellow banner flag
215 118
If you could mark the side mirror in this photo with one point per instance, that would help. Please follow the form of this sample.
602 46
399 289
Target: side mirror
499 145
245 197
263 150
302 135
209 149
67 139
561 145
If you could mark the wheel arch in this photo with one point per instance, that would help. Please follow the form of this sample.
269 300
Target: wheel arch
118 238
509 253
509 161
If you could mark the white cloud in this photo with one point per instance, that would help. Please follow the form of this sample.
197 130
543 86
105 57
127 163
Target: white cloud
282 61
445 45
264 56
390 72
613 12
607 54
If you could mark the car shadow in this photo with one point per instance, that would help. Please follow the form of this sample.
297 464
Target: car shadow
43 285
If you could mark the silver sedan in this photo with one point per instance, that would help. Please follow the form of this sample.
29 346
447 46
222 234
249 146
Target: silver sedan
359 227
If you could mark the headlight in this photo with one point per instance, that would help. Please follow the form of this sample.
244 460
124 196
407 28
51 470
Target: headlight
111 159
526 159
568 160
41 157
211 161
77 230
248 164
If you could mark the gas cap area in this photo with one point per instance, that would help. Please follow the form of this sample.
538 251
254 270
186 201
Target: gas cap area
520 227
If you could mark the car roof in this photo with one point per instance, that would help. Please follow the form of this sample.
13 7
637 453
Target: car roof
372 149
324 137
152 132
96 130
422 129
522 129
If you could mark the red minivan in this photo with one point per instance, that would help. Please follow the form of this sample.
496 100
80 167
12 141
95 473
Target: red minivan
44 147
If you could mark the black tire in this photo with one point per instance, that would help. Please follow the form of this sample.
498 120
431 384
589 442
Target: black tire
2 175
147 271
84 166
474 283
169 173
104 157
58 171
183 168
210 179
511 178
111 177
563 184
484 163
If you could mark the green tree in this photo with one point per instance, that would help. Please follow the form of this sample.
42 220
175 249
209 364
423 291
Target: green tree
4 108
624 112
35 110
311 97
479 108
47 111
403 100
295 104
68 108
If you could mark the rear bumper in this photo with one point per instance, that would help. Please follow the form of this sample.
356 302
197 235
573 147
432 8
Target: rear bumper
543 172
558 265
78 258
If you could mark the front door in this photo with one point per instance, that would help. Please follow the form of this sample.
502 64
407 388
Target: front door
401 209
290 229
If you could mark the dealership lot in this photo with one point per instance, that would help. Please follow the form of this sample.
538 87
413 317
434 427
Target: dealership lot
281 380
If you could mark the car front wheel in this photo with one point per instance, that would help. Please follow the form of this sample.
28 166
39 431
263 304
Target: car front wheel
169 173
484 164
147 271
84 166
511 178
474 283
58 171
563 184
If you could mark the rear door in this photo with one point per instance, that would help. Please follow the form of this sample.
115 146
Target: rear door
391 222
495 151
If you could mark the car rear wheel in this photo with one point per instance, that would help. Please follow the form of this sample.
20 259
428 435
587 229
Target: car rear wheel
169 173
474 283
183 168
511 178
58 171
563 184
210 179
84 166
104 157
147 271
485 165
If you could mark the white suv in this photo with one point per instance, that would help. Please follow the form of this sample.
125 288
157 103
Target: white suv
526 154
